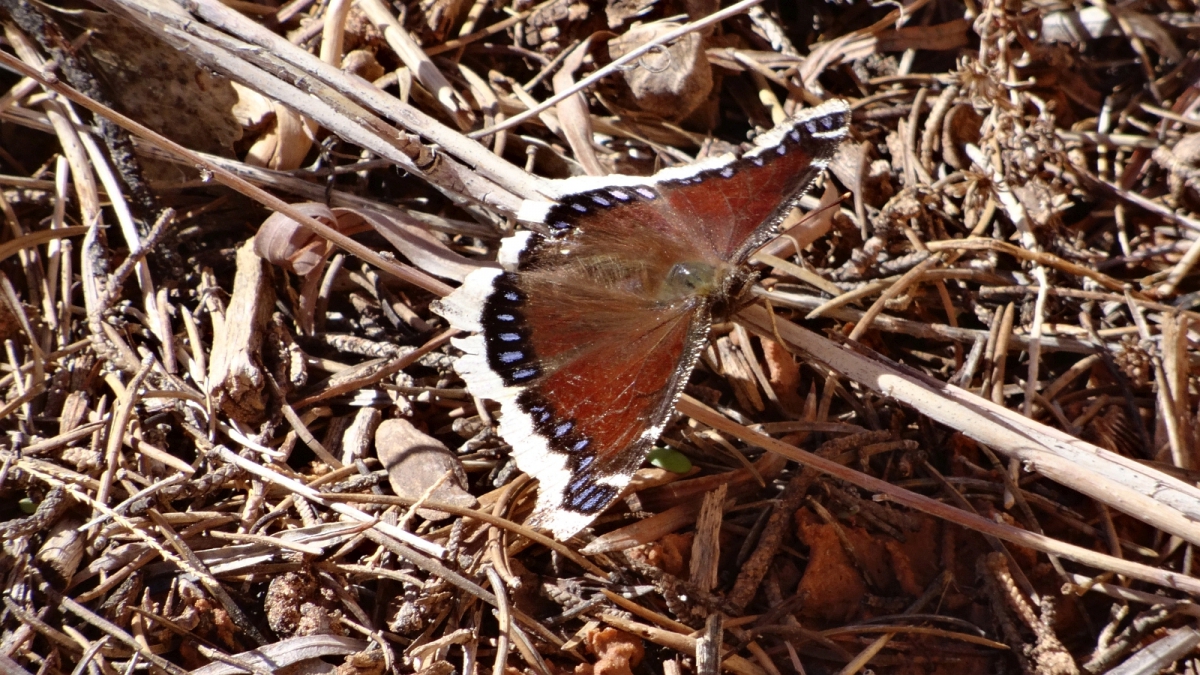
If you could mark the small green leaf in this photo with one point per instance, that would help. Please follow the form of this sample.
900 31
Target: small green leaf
670 459
26 505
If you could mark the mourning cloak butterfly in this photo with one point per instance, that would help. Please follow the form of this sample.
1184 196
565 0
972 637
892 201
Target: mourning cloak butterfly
588 334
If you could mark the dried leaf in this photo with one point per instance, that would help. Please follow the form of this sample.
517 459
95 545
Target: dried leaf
283 137
416 462
669 82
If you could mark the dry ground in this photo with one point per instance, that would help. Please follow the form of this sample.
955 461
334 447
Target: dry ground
217 464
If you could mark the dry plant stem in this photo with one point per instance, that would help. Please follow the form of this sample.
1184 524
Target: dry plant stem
297 424
1081 584
334 111
595 77
435 568
111 629
935 508
966 507
326 106
486 163
1180 270
706 547
130 230
82 148
242 186
89 654
644 531
333 33
1000 355
770 541
680 643
647 614
916 328
75 65
484 516
498 27
32 623
1035 341
312 495
394 366
1042 258
505 627
10 248
116 431
417 61
910 277
1140 491
206 578
931 593
708 647
118 277
1158 656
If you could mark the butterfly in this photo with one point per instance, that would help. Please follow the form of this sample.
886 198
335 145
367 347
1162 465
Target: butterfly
588 332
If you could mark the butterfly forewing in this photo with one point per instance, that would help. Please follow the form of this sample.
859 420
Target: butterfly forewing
727 207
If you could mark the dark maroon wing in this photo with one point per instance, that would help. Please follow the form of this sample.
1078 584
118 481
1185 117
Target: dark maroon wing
725 207
585 360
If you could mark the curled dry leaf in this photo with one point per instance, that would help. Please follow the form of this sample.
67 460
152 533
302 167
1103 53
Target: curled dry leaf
278 656
283 137
573 113
669 82
416 462
284 242
849 165
860 45
620 12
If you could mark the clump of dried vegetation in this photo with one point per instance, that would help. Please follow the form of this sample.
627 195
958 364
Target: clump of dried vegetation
957 431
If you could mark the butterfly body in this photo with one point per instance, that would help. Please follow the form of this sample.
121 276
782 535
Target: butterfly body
588 334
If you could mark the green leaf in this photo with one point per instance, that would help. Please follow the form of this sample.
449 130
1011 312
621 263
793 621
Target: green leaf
670 459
